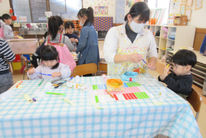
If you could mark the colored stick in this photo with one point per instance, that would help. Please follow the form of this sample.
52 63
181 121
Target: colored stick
55 93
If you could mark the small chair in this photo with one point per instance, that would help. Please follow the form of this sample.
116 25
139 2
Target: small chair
195 100
102 68
84 69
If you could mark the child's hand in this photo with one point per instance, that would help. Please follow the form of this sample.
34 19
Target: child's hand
165 73
56 74
76 40
135 58
31 71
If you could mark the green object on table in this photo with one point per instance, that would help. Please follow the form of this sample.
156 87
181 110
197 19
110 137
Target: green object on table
54 93
96 99
41 82
133 84
95 87
141 95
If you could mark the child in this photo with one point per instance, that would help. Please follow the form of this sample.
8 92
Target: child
6 55
180 79
55 33
88 43
50 67
7 30
69 32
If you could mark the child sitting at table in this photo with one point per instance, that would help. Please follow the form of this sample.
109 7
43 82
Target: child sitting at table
50 68
69 32
180 79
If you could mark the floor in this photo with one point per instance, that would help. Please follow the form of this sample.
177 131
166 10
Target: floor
201 119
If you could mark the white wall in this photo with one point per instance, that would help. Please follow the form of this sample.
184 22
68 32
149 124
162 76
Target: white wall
4 4
198 18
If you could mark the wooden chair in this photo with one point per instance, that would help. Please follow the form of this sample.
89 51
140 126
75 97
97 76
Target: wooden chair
102 68
84 69
195 100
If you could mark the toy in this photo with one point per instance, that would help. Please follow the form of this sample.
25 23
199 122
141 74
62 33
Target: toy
139 70
114 85
129 76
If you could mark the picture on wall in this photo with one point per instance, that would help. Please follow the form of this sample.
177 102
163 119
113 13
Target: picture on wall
198 4
101 10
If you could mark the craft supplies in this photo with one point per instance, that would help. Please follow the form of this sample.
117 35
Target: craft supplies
54 93
114 84
41 82
129 76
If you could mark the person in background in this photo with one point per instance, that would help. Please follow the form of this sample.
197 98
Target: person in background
55 33
180 79
69 32
5 22
50 68
88 41
6 55
129 46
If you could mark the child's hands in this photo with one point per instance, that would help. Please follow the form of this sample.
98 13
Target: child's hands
135 58
31 71
76 40
56 74
165 73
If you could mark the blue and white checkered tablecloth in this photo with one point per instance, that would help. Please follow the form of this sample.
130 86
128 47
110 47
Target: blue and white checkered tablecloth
50 116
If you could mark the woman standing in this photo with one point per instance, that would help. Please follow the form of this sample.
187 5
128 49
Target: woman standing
128 46
88 41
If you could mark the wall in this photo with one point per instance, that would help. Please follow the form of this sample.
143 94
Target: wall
4 4
198 18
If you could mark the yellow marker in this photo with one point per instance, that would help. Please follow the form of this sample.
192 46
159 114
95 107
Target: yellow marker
68 101
168 65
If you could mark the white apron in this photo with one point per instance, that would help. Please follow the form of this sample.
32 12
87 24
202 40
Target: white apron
139 46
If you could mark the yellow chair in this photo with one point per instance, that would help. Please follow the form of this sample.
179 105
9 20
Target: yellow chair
85 69
102 68
195 100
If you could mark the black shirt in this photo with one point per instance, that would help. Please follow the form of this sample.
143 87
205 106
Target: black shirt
179 84
130 34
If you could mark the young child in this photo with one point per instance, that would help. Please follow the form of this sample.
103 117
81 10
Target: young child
6 55
180 79
55 33
50 68
69 32
5 23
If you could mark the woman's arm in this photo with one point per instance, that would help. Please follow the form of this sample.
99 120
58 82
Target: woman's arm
152 53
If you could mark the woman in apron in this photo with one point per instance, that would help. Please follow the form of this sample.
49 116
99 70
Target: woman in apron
129 46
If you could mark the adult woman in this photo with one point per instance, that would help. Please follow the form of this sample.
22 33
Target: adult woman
88 42
127 47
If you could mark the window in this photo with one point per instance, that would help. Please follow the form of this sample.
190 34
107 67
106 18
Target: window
34 10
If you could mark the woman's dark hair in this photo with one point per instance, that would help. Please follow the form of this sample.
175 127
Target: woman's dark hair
54 24
184 57
87 12
5 17
139 9
68 24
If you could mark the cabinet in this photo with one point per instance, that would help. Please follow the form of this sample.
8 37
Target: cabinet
172 38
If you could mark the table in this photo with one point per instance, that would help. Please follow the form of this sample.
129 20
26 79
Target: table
79 114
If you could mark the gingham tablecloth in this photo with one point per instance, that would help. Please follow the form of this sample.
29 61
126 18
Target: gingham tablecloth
50 116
